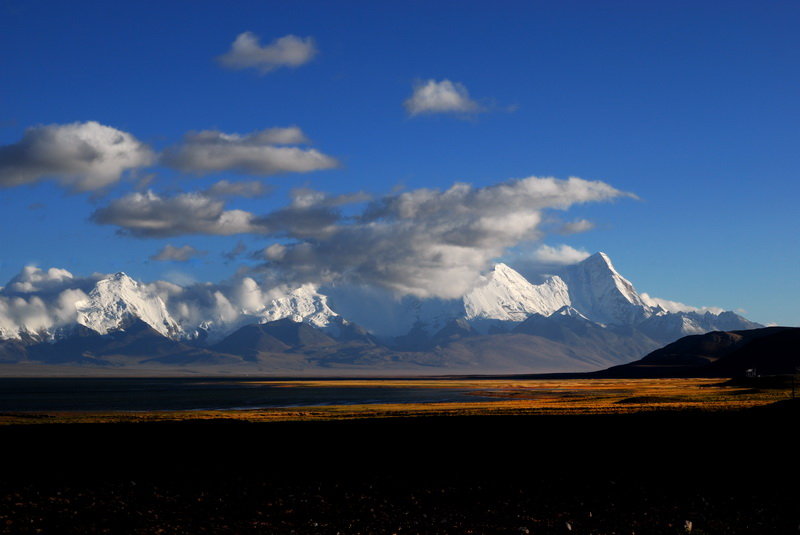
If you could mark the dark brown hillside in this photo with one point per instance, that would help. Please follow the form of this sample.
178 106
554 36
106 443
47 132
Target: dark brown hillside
771 350
776 354
296 334
250 341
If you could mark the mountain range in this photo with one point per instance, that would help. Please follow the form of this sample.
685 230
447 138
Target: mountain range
583 317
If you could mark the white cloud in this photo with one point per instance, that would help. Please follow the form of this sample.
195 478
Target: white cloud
576 227
440 97
676 306
49 300
289 51
149 215
426 242
225 305
80 156
179 277
37 299
18 311
561 255
170 253
259 153
34 279
249 189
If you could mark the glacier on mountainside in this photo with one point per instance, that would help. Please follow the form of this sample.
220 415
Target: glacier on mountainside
117 300
505 295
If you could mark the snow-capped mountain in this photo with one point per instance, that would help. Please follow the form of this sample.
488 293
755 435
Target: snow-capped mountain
113 302
601 294
505 295
304 304
591 291
501 299
117 300
568 312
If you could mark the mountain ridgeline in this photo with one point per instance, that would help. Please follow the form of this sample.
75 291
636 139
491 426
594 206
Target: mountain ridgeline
584 317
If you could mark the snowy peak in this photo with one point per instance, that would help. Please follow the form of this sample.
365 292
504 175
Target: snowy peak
303 304
600 267
602 294
502 274
117 300
505 295
568 312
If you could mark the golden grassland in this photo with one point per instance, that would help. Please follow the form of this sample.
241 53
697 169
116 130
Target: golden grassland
506 397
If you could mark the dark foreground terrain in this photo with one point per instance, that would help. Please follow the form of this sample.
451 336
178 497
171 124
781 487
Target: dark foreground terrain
647 473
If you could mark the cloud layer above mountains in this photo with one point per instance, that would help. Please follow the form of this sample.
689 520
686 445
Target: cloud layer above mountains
424 242
38 300
41 299
428 242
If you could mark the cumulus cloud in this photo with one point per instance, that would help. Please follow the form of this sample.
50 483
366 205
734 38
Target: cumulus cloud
198 304
561 255
440 97
266 152
310 215
80 156
423 243
576 227
34 279
37 299
427 242
249 189
246 52
676 306
170 253
222 307
149 215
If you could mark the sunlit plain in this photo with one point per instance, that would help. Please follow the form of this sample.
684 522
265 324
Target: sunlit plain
508 397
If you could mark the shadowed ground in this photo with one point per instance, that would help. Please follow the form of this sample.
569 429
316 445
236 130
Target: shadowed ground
725 472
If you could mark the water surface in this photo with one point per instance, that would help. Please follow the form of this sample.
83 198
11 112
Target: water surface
161 394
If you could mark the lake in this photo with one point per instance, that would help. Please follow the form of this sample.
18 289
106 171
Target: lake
168 394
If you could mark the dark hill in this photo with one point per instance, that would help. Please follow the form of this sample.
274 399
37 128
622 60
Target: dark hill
775 354
12 351
296 334
770 350
136 343
454 330
250 341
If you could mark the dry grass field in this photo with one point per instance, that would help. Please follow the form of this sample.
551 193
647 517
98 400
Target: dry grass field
492 397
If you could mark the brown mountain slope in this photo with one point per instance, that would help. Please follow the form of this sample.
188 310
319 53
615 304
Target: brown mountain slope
771 350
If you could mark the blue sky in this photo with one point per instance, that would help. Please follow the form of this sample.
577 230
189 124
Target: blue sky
691 106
